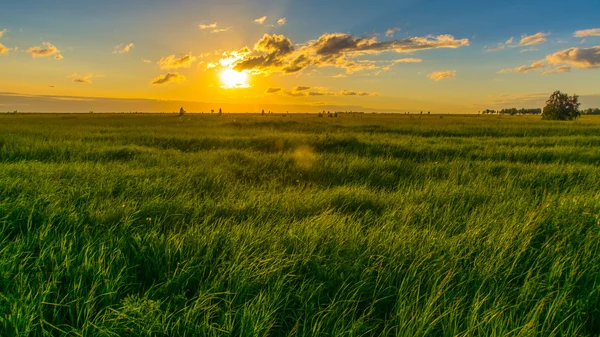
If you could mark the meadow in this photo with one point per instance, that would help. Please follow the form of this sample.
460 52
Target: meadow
250 225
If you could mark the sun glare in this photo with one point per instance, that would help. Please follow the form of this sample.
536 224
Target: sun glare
234 79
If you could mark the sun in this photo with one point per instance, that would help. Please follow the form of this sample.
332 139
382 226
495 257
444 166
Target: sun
234 79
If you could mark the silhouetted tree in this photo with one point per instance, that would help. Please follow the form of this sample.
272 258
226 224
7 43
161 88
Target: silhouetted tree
561 107
181 111
263 112
220 112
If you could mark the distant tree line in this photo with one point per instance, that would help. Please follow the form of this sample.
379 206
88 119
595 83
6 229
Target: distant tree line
512 111
591 111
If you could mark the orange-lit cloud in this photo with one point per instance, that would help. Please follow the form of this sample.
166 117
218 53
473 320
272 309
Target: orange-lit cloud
261 20
390 32
440 75
524 69
48 50
4 50
587 32
282 21
303 91
501 45
81 79
121 48
408 60
276 53
146 61
559 70
169 78
584 58
528 40
173 62
2 32
208 26
221 30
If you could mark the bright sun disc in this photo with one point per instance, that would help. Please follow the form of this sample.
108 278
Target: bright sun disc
234 79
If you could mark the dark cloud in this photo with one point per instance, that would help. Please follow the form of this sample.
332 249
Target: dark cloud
276 53
168 78
272 90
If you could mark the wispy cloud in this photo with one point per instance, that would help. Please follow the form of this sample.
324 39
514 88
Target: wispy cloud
81 79
169 78
390 32
221 30
501 45
587 32
123 48
174 62
440 75
208 26
559 70
261 20
48 50
2 32
526 50
304 91
282 21
408 60
529 40
146 61
524 69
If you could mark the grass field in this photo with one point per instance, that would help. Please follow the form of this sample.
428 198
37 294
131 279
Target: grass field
246 225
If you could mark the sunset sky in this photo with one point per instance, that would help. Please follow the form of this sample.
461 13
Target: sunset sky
298 56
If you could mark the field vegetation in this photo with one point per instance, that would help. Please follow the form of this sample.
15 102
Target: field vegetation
270 225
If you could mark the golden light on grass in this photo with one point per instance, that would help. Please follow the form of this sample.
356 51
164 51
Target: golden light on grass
234 79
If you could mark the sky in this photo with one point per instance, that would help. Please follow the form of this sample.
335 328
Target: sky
297 56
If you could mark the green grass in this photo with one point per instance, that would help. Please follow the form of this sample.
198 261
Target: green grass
246 225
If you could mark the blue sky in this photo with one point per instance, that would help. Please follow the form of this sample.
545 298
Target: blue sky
86 33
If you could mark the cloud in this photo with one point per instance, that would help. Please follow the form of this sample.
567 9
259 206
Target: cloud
390 32
146 61
584 33
272 90
282 21
4 50
339 76
81 79
501 45
302 91
120 49
209 26
221 30
440 75
2 32
524 69
526 50
169 78
584 58
408 60
58 57
48 50
173 62
559 70
261 20
529 40
276 53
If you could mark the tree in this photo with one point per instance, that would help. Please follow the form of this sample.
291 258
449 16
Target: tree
561 107
263 112
181 111
220 112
